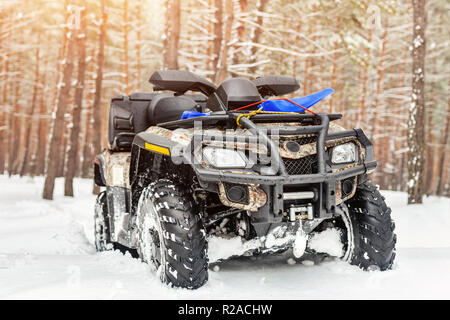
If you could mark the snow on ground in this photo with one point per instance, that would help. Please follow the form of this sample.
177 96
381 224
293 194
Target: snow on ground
46 252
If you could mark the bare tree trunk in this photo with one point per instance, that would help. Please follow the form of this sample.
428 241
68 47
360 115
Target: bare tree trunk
364 78
397 130
3 133
257 34
125 47
58 123
3 110
26 160
88 120
243 4
87 147
39 168
296 42
416 113
441 174
378 111
306 75
96 108
223 65
15 143
138 44
64 140
333 75
429 148
218 36
73 155
172 34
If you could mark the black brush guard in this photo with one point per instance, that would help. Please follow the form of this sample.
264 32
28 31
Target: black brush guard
275 182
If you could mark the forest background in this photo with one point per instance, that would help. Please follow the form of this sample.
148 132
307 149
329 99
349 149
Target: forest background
61 62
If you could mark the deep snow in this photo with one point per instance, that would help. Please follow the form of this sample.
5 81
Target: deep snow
46 252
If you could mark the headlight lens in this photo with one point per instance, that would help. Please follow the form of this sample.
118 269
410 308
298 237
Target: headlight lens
225 158
344 153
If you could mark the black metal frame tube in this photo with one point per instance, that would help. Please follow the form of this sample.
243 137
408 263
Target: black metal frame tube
273 149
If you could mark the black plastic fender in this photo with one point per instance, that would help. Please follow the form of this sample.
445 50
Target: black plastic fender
148 146
99 171
154 143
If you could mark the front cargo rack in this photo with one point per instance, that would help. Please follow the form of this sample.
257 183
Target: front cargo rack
230 118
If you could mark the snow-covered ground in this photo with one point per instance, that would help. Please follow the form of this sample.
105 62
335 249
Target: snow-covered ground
46 252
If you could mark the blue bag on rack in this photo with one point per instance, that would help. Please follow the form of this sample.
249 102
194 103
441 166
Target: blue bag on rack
306 102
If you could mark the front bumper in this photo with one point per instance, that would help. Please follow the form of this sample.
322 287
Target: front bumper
322 183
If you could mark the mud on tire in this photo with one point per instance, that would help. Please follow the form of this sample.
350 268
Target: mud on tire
373 229
167 222
101 224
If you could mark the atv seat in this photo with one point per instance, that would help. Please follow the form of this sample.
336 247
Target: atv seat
132 114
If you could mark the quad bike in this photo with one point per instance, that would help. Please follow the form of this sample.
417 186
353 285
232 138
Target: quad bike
223 162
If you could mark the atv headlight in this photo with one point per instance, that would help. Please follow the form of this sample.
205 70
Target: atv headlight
225 158
344 153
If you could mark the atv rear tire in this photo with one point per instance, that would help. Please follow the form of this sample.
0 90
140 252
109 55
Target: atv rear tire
101 224
372 234
171 237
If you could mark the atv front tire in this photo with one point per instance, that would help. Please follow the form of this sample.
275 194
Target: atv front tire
101 224
171 237
371 235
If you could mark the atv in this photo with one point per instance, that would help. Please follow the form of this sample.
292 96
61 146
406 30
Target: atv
200 162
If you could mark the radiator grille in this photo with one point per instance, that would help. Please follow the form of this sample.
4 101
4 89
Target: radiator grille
306 140
305 165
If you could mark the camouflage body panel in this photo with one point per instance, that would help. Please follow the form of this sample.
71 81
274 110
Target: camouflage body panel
338 191
334 128
256 198
184 136
305 149
181 136
117 168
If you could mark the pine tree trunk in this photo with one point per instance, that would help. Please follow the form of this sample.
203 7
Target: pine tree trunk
397 130
87 147
54 160
172 34
3 133
416 140
138 44
429 148
125 47
26 160
379 109
243 4
39 168
64 141
364 79
3 110
441 174
333 75
218 36
257 33
96 108
306 75
223 62
88 120
73 155
16 89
